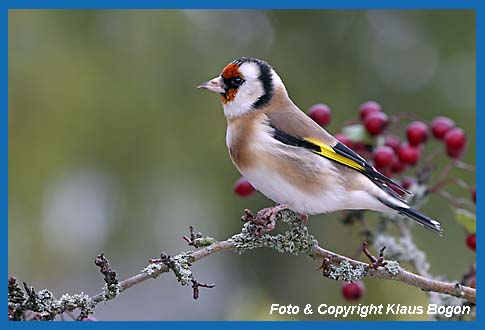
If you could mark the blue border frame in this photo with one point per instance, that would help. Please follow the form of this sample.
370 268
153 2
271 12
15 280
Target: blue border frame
5 5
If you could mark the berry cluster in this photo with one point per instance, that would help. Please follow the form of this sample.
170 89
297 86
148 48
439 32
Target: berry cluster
394 156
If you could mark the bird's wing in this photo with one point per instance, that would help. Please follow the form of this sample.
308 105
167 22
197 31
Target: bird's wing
296 129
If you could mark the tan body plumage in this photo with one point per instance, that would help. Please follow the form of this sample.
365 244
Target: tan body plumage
304 181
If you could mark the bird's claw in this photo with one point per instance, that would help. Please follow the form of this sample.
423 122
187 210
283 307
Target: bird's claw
265 219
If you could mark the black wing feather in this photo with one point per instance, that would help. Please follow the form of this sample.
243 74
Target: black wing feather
377 178
369 170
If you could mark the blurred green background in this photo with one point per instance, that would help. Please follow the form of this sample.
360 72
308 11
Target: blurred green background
112 149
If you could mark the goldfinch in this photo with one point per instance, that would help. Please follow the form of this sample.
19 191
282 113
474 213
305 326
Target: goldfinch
292 160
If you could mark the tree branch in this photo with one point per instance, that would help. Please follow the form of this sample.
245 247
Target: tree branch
393 272
295 240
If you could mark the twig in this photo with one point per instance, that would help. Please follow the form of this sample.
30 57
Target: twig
296 240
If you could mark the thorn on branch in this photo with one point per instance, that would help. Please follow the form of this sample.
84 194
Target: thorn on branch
375 262
196 285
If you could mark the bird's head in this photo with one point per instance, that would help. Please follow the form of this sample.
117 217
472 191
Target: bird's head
245 84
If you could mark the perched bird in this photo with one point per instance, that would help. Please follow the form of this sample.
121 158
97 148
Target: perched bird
291 159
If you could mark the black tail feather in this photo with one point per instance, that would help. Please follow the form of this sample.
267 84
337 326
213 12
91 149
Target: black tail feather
420 218
417 216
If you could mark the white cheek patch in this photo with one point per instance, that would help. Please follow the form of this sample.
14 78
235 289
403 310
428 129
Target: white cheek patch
247 94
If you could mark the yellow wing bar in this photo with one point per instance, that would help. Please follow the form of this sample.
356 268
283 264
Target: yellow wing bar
328 152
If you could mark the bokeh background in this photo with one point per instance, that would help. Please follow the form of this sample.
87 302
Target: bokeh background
112 149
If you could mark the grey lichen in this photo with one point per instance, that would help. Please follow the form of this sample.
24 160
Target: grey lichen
204 241
179 265
153 268
44 306
111 291
71 302
392 267
346 272
16 300
296 240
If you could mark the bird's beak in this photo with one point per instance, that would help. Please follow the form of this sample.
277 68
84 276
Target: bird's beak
214 85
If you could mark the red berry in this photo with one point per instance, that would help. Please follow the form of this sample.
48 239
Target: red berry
384 156
455 141
353 291
474 195
369 107
345 140
321 114
398 167
409 154
440 126
455 153
243 188
393 141
376 122
360 147
417 133
471 242
408 182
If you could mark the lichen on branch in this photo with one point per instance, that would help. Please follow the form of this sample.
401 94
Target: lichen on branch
27 304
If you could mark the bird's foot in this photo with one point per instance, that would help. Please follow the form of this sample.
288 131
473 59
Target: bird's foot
375 262
265 219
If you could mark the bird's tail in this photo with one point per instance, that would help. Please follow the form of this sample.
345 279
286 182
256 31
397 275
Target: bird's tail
417 216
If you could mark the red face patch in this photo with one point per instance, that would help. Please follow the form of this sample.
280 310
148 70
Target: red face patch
230 72
229 96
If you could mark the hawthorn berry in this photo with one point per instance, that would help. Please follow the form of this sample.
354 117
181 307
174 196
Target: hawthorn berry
367 108
321 114
398 167
376 122
353 291
392 141
455 140
384 157
455 153
417 133
360 147
471 241
243 188
440 126
409 154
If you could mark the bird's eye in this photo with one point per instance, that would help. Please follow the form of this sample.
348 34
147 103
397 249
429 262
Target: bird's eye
237 80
